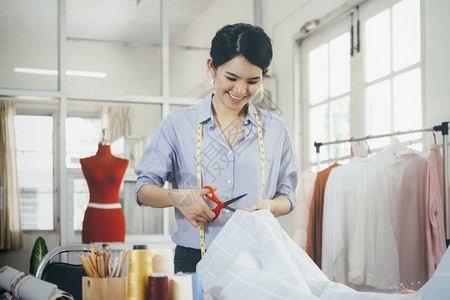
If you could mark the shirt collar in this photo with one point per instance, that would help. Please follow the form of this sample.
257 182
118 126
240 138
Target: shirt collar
205 112
251 113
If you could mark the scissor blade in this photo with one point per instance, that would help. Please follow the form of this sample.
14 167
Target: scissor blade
226 203
230 208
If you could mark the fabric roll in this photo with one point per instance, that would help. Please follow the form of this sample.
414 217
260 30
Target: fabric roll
163 261
26 287
139 270
180 287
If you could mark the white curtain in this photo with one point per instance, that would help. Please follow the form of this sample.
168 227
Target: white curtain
118 122
10 222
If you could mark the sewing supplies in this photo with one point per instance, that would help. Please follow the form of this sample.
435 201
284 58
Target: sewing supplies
197 288
407 287
104 280
162 261
140 267
158 287
100 264
220 205
180 287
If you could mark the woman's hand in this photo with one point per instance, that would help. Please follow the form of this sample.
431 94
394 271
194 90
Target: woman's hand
278 206
262 204
192 205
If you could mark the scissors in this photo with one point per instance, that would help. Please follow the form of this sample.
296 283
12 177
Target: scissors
212 196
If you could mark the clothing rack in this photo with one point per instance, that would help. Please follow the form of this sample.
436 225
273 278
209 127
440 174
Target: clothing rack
443 128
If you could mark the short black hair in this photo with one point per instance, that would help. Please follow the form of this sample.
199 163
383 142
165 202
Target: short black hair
242 39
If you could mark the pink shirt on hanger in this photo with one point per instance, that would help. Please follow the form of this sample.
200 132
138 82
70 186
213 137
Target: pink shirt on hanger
305 189
404 181
434 208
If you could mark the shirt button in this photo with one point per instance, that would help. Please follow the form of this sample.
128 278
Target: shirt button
229 180
230 152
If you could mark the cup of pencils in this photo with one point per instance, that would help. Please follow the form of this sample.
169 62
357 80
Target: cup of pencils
105 278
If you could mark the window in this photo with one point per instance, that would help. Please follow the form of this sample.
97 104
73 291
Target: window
34 142
328 64
393 72
376 91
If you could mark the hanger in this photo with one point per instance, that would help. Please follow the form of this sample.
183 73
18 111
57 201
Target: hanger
434 135
368 147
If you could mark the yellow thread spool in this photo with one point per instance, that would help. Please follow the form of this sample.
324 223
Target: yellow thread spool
139 269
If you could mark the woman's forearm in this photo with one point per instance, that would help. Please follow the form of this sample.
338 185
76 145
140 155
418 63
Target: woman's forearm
280 206
155 196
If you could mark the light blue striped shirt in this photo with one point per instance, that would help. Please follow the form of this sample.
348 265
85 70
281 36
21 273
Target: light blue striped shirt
171 156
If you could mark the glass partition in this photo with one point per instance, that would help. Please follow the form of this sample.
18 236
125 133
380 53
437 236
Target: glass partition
119 55
28 44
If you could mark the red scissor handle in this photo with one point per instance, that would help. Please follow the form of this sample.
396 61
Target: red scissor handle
212 196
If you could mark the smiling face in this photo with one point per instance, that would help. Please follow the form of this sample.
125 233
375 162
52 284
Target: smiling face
236 82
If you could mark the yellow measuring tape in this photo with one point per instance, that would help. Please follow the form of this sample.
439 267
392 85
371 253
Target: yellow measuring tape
199 169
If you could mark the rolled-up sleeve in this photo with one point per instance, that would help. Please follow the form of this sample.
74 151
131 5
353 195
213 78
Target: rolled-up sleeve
288 175
156 165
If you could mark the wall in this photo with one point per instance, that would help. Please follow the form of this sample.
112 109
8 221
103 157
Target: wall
437 62
188 68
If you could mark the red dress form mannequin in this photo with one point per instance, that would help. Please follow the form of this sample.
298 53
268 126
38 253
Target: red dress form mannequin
104 220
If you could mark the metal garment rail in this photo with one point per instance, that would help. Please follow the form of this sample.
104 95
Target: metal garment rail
443 128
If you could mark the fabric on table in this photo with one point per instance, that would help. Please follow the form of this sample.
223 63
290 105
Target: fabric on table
253 258
305 190
314 238
434 208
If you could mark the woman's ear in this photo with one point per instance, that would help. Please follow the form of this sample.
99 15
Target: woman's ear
210 65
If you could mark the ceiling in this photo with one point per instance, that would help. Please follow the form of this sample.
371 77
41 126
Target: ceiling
112 20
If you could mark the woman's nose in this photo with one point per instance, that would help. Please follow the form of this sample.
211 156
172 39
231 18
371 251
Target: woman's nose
240 86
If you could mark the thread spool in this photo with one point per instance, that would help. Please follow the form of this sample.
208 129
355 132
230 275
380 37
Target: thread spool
163 261
139 269
158 287
197 288
180 287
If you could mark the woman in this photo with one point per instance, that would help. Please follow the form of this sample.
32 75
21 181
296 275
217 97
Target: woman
224 142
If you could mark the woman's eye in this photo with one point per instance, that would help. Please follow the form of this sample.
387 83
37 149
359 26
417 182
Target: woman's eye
252 82
231 78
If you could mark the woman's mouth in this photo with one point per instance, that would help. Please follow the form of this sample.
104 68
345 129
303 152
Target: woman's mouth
236 98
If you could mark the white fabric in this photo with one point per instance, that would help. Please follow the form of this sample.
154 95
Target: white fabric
373 255
340 198
252 258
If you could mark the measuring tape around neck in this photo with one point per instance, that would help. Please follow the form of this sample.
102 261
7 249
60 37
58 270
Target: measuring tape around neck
199 169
